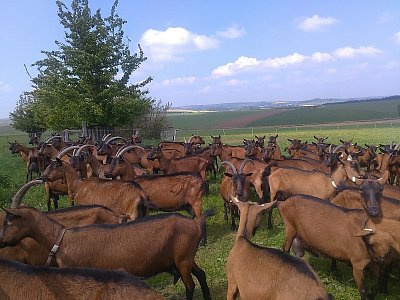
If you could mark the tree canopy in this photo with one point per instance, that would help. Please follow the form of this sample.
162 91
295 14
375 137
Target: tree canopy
88 77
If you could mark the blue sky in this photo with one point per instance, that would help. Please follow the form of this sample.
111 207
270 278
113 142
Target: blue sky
227 51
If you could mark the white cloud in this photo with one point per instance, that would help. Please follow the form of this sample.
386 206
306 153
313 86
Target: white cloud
169 44
349 52
397 37
278 62
179 81
321 57
231 68
232 32
390 65
251 63
315 23
234 82
206 89
244 63
331 71
4 86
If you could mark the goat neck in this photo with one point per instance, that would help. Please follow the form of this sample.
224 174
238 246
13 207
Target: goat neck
338 176
250 217
36 225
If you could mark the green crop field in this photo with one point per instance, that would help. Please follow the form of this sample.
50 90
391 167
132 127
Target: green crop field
333 113
212 258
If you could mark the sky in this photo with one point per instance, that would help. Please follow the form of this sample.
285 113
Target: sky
206 52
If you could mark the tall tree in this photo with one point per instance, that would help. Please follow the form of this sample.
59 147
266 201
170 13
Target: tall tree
87 78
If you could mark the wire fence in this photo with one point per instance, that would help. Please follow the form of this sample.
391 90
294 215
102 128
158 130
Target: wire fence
153 137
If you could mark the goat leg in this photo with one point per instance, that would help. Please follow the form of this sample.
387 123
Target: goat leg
226 212
201 277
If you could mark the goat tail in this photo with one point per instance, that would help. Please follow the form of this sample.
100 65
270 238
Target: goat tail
145 205
205 188
265 180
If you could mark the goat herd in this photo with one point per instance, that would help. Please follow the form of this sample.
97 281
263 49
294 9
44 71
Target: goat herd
337 201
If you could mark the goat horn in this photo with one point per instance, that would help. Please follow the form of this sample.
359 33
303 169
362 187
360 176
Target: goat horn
105 137
65 150
338 147
52 137
17 199
114 138
229 164
81 148
244 163
125 149
397 147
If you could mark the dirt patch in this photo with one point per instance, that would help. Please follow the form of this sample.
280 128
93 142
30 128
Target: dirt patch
245 120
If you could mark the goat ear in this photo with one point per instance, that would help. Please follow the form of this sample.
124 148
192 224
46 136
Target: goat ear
384 178
365 232
236 201
268 205
13 214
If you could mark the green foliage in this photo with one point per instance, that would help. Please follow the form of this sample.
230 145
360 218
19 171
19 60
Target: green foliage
87 77
23 117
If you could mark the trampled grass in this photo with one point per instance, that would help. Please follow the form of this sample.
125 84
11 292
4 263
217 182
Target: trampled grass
212 258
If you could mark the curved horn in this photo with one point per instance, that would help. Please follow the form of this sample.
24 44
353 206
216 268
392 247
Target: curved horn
17 199
78 152
122 150
105 137
65 150
244 163
397 147
330 148
114 138
229 164
338 147
52 137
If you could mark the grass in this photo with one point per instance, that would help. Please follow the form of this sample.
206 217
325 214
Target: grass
332 113
212 258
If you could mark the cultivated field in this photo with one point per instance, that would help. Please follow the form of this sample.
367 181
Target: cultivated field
212 258
332 113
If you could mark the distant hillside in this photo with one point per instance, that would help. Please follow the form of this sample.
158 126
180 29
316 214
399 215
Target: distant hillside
4 122
275 104
353 110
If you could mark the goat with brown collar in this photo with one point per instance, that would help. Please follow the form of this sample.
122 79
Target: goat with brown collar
257 272
128 246
30 252
335 232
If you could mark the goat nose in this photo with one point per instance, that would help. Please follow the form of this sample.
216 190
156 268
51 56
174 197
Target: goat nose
373 211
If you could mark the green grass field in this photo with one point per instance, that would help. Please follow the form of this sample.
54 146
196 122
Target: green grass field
212 258
333 113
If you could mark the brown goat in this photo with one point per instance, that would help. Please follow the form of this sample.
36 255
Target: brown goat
236 184
20 281
126 246
122 197
176 191
30 252
335 232
257 272
195 164
258 176
291 181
